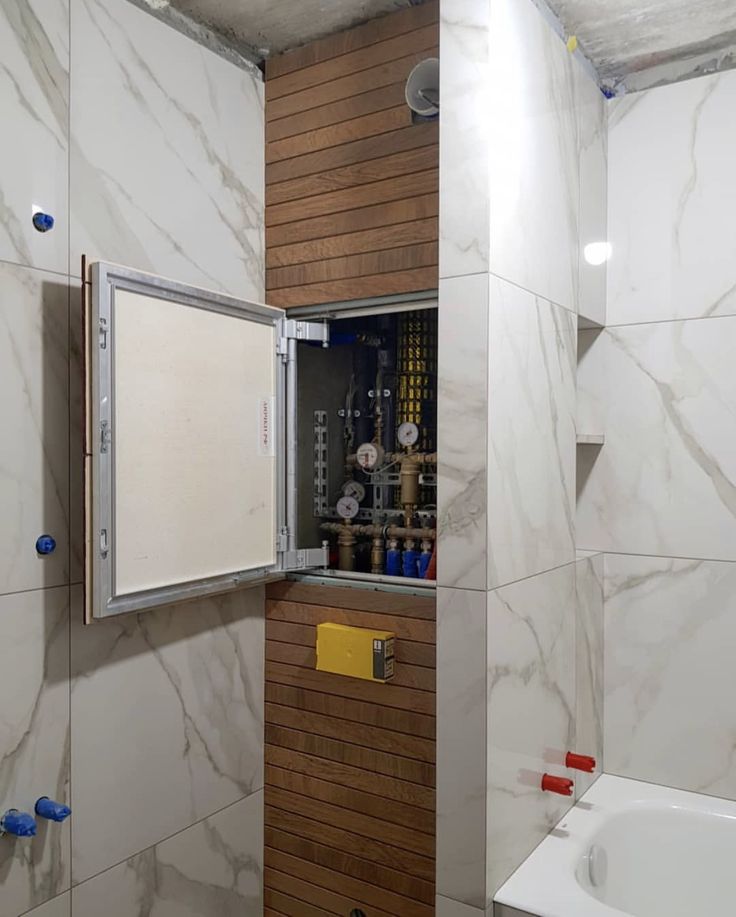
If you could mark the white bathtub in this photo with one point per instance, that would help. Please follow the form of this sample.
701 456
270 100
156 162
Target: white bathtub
656 852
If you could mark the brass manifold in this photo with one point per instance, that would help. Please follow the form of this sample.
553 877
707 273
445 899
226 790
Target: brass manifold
409 468
347 536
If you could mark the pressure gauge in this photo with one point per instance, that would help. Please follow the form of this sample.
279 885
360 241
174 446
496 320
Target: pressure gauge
354 489
407 434
347 507
369 456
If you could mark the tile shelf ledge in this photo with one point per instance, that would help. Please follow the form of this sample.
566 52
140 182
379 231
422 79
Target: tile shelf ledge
590 439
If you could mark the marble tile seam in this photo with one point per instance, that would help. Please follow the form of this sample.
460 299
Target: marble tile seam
654 554
662 321
38 270
163 840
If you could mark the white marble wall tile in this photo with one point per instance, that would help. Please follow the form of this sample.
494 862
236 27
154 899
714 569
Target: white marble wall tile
669 674
531 713
465 135
60 906
664 395
34 742
34 100
533 155
531 448
589 666
34 445
672 192
461 745
167 158
462 431
167 722
213 869
592 112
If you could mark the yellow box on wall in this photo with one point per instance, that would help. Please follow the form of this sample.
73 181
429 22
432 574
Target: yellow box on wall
355 651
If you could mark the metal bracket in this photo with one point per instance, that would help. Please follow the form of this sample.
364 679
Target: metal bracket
320 483
292 329
304 558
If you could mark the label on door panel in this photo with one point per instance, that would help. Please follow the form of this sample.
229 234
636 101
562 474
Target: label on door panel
266 444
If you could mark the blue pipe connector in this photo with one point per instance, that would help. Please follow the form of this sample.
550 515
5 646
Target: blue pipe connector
19 824
54 811
43 222
45 544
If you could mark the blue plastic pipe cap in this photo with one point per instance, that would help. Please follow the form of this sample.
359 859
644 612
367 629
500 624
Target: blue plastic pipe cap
19 824
43 222
45 544
54 811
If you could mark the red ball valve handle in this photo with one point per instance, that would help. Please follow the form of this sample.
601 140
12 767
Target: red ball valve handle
560 785
580 762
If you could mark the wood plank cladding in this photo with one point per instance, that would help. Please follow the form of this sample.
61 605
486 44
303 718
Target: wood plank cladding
350 764
351 183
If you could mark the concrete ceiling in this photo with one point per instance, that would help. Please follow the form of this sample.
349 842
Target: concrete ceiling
630 43
270 26
625 37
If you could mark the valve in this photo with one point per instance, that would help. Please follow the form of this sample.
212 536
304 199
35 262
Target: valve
560 785
54 811
580 762
43 222
17 823
45 544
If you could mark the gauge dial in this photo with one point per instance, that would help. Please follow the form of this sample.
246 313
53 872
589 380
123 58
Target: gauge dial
354 489
407 434
369 456
347 507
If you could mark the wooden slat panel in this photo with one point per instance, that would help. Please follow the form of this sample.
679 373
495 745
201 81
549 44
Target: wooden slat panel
417 629
418 40
346 87
343 42
305 635
337 112
311 187
276 903
346 864
407 676
364 892
396 813
403 211
387 695
392 189
353 777
385 855
331 902
357 711
360 287
406 138
378 762
402 836
369 240
373 125
395 743
333 597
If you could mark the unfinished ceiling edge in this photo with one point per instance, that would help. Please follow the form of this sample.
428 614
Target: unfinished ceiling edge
675 71
557 26
242 55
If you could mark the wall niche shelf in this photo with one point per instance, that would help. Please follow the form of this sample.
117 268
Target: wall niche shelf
590 439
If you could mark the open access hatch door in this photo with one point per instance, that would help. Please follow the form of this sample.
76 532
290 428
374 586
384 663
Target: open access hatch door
190 444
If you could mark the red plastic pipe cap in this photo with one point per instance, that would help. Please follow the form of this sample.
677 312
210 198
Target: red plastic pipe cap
560 785
580 762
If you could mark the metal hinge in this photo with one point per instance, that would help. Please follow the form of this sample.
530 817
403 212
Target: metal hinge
291 329
105 435
103 329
